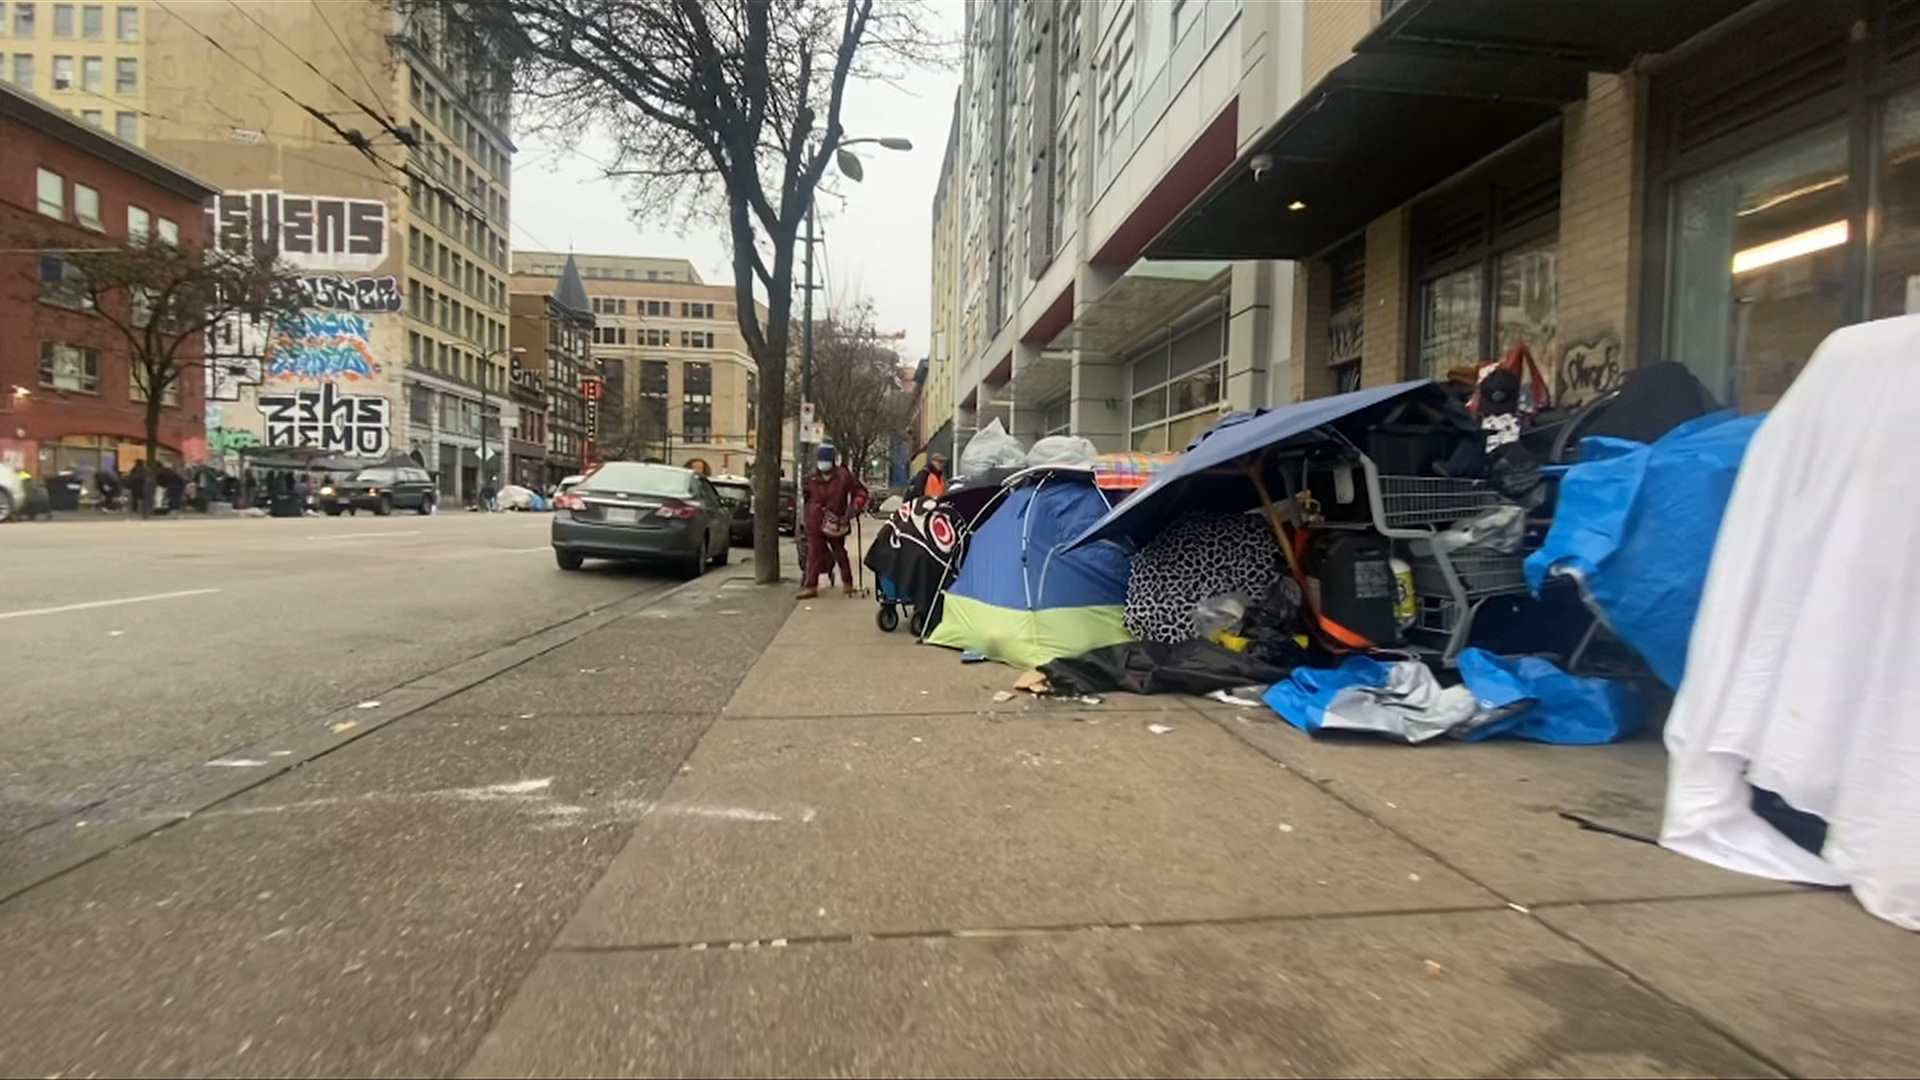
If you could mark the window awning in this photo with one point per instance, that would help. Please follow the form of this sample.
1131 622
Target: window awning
1599 35
1375 132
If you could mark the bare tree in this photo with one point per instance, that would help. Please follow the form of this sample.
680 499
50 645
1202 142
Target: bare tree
730 107
164 300
859 394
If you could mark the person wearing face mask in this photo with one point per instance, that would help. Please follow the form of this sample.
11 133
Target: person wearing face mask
833 495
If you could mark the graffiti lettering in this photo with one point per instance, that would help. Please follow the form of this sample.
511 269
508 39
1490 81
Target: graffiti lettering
226 442
332 292
321 345
1589 369
327 419
234 347
313 232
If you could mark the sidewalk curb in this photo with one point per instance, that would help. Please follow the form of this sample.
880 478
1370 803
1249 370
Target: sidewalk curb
303 743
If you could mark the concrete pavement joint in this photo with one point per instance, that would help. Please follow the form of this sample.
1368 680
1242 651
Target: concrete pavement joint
1532 912
995 933
224 784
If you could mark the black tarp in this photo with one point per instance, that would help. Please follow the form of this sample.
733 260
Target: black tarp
1194 666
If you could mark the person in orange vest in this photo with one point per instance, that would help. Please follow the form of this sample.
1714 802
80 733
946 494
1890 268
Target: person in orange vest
930 482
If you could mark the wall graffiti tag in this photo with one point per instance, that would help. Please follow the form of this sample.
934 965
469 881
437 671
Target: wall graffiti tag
235 346
312 232
320 346
325 418
334 292
1589 369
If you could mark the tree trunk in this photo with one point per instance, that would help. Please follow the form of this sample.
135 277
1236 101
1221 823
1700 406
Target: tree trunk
153 452
769 445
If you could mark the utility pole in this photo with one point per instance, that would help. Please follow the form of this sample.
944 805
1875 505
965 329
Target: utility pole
804 460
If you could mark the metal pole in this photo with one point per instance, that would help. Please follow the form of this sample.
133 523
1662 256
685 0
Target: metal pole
806 342
485 371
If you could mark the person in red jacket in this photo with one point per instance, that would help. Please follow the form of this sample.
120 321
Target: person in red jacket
833 495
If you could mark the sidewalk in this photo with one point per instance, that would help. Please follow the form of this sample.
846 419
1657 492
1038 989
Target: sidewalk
869 866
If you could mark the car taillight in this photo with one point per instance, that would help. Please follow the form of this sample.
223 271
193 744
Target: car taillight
570 501
674 510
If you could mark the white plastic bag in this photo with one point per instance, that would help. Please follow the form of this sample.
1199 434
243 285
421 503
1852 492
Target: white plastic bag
1068 451
991 448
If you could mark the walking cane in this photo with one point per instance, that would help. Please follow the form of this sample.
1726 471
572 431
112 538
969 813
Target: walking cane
859 553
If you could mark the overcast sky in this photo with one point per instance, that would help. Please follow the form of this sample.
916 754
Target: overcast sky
877 243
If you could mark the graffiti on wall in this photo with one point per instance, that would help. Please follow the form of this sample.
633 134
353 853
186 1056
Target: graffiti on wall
1589 369
321 346
328 420
336 292
224 441
312 232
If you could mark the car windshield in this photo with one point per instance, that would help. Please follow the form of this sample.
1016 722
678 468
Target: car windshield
734 493
664 481
373 476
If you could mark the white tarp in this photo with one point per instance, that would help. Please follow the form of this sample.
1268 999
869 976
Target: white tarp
1800 675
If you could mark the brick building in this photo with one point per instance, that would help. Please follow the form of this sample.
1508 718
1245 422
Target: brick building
67 395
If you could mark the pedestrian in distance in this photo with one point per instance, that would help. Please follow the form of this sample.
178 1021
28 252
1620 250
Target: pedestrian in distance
833 495
930 482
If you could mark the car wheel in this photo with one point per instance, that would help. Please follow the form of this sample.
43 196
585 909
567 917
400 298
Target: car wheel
333 511
385 508
726 553
695 565
568 560
426 505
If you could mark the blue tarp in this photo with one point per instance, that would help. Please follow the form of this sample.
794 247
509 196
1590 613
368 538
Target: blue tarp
1525 697
1141 516
1636 524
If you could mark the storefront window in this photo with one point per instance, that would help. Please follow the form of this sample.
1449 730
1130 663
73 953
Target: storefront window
1526 304
1758 266
1896 241
1450 322
1178 387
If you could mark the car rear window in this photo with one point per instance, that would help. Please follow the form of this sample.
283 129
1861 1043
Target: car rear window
738 493
638 479
373 476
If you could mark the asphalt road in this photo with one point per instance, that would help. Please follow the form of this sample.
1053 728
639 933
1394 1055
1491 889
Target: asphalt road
212 634
369 904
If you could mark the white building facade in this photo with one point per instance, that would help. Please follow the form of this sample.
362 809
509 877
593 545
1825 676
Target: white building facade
1085 128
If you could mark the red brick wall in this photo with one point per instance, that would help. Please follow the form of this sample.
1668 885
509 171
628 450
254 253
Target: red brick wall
25 321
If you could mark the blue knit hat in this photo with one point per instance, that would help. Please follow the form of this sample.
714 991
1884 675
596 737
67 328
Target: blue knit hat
824 452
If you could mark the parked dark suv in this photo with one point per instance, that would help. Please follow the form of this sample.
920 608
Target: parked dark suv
382 490
736 492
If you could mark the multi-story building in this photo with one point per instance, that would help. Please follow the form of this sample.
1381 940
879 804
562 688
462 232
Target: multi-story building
934 419
1084 129
688 385
89 59
1719 183
69 395
553 334
393 201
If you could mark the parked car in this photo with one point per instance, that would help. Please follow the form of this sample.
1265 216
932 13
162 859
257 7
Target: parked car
787 508
382 490
13 492
737 493
568 483
637 512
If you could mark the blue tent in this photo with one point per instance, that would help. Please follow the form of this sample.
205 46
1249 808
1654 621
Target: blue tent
1020 597
1141 516
1635 526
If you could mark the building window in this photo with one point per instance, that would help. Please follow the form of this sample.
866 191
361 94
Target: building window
63 20
53 194
69 367
93 74
23 71
137 387
93 25
23 20
696 311
1895 288
63 284
1759 265
127 126
653 275
1179 387
86 207
63 73
139 223
696 339
91 117
128 25
126 75
169 231
1346 322
659 308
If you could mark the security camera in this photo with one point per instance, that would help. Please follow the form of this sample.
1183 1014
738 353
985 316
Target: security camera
1261 165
